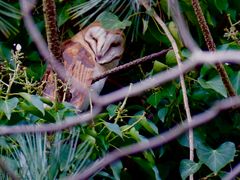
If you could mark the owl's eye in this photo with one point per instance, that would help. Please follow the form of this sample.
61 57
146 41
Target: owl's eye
115 44
93 37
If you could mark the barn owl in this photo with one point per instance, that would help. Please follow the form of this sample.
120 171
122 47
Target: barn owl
86 55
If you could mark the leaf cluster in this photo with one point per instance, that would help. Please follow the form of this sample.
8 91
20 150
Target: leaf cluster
135 119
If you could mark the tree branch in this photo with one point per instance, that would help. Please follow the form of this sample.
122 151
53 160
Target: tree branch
182 81
132 64
231 175
212 47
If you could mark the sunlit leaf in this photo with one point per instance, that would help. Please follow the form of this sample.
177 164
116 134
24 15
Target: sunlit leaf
34 100
215 84
114 128
149 126
7 106
112 109
158 66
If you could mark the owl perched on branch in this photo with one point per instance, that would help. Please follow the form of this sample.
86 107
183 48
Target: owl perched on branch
86 55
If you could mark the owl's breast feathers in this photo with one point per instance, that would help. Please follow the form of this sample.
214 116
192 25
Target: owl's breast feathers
79 63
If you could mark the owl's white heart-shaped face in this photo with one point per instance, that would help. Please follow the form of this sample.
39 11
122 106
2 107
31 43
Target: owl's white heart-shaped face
107 45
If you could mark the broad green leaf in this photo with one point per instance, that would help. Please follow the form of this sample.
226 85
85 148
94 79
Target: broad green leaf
135 134
158 66
111 21
216 159
188 167
34 100
236 82
112 108
199 139
149 126
210 19
215 84
114 128
147 168
221 5
149 155
116 169
171 58
7 106
162 114
174 31
155 98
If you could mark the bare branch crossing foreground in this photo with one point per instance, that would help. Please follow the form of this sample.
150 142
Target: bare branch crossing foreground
197 57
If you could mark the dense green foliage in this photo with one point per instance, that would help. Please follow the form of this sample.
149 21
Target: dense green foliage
136 118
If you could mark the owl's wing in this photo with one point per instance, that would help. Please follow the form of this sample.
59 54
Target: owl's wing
79 63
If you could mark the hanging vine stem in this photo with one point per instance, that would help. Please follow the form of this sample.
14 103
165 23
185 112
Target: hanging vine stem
185 98
211 46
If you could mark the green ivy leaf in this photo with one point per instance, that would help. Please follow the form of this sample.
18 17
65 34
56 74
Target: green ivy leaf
155 98
112 109
199 139
135 134
158 66
221 5
149 126
34 100
236 82
114 128
7 106
215 84
216 159
150 169
162 113
188 167
116 169
111 21
171 58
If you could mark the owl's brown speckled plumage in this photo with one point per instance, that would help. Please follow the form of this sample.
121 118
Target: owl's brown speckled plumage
86 55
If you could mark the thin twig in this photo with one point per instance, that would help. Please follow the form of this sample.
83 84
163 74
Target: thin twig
231 175
182 26
182 82
132 64
158 140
